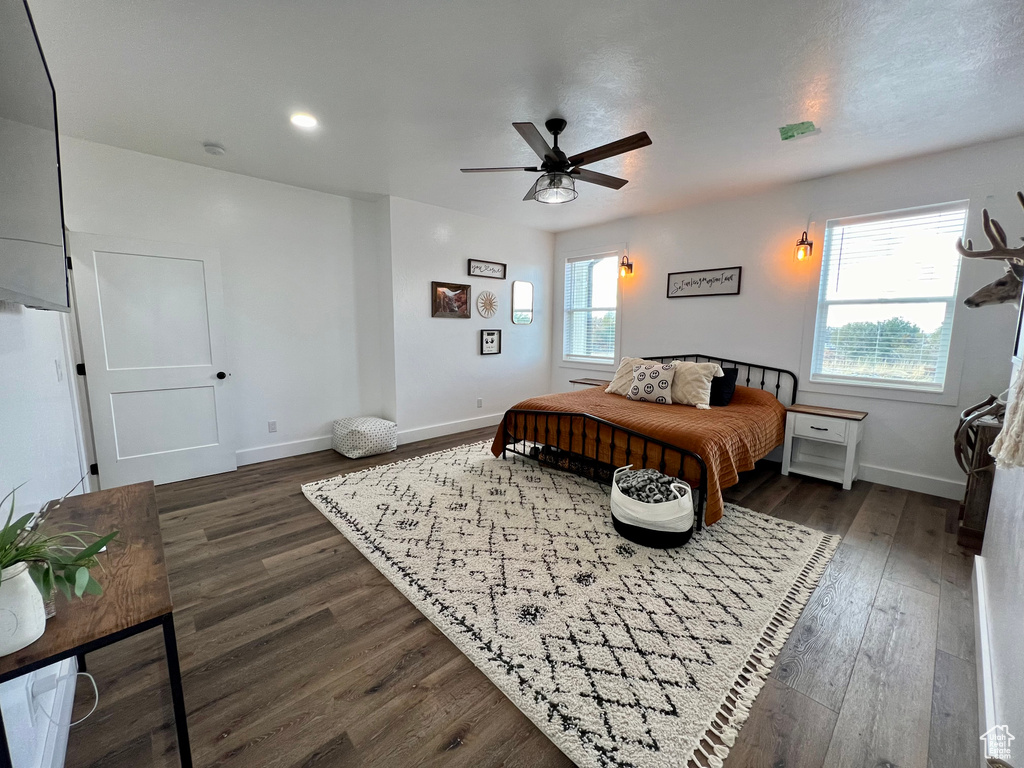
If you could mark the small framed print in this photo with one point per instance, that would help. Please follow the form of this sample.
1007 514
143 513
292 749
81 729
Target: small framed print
704 282
490 342
478 268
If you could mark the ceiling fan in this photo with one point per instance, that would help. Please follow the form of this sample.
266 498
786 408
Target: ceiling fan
557 184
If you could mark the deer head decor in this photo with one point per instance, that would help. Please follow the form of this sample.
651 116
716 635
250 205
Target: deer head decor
1007 288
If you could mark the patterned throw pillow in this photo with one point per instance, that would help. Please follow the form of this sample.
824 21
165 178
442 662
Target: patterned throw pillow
624 375
652 383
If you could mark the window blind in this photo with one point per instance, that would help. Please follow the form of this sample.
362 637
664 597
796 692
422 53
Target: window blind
886 299
591 299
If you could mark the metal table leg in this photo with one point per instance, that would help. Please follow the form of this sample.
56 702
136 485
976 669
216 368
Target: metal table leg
177 695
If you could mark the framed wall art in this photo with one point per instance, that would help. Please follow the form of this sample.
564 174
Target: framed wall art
490 342
486 304
478 268
704 282
449 300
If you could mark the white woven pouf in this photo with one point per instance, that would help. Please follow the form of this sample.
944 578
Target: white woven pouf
364 436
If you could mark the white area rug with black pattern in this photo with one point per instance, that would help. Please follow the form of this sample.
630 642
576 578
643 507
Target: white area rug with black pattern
622 655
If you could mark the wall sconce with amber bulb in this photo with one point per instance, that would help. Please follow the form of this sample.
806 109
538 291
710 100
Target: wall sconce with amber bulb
625 266
803 248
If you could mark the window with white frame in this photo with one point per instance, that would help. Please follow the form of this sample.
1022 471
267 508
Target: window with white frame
886 299
591 308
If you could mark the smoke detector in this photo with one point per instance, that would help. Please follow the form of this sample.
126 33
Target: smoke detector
212 148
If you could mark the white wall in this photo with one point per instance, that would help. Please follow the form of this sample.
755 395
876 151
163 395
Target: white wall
39 446
38 435
327 297
907 444
440 372
999 605
302 332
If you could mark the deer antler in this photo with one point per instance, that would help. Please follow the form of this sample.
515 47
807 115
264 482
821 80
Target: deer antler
997 237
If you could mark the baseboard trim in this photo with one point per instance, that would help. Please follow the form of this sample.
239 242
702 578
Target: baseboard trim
983 649
282 450
911 481
448 428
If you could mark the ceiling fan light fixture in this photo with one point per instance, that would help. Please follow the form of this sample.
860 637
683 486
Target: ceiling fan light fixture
554 188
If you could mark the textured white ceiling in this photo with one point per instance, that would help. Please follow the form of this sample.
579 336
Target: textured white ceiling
408 92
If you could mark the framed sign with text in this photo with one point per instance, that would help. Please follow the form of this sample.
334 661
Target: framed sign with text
705 282
478 268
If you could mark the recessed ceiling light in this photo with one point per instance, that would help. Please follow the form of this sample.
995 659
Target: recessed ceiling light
304 120
212 148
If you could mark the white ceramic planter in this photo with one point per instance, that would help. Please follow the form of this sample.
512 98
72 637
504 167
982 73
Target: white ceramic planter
22 615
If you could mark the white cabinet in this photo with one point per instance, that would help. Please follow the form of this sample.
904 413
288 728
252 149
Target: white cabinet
823 442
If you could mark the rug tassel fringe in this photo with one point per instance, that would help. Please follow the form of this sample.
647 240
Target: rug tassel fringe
734 710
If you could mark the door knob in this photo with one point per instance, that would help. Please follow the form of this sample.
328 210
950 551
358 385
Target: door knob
221 375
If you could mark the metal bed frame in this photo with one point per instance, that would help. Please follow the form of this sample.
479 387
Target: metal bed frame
523 435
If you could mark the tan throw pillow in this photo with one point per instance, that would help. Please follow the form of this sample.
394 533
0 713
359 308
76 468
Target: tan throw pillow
691 384
652 383
624 376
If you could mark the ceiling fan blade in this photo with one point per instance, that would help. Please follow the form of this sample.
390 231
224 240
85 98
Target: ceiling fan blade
536 140
492 170
627 144
533 190
603 179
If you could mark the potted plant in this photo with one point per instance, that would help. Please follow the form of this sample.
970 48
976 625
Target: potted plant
32 565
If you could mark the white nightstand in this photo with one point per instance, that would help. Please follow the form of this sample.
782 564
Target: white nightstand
822 442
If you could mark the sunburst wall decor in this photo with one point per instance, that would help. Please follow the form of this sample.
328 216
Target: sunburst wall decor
486 304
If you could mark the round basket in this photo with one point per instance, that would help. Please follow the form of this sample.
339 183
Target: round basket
661 525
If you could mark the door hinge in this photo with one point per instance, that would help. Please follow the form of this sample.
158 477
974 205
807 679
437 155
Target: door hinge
80 369
94 469
67 260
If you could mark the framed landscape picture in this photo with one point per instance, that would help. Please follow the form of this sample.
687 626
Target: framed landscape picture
449 300
490 342
478 268
704 282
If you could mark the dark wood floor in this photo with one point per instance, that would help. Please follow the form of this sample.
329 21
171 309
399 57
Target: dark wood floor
296 652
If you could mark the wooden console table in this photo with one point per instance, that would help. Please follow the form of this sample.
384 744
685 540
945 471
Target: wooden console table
136 595
590 382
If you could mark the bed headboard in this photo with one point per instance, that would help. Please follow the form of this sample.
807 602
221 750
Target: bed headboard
784 383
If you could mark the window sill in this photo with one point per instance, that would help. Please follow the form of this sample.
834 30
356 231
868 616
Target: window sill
590 366
949 396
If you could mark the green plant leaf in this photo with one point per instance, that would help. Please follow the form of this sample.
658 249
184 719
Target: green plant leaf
81 581
11 530
63 585
11 497
38 573
47 582
94 548
93 587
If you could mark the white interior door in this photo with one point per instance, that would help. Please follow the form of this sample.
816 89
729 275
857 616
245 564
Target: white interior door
151 317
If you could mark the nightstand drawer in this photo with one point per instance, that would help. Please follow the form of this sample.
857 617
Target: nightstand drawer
819 427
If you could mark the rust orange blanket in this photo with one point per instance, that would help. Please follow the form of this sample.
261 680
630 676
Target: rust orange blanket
729 439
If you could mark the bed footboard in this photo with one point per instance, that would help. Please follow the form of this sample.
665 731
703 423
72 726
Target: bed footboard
594 448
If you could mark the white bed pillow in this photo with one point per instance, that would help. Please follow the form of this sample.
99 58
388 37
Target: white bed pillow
691 384
652 383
